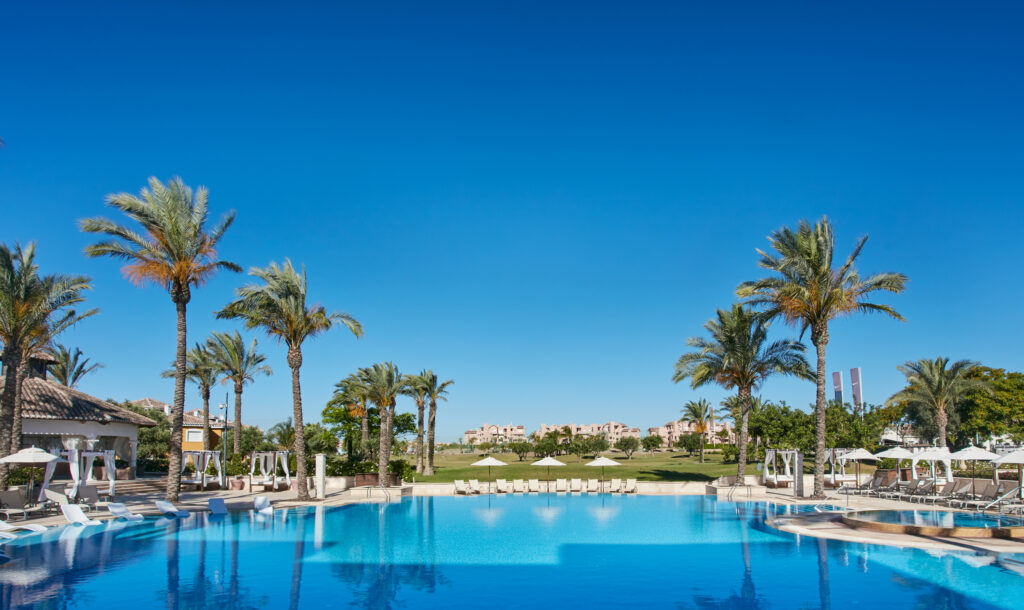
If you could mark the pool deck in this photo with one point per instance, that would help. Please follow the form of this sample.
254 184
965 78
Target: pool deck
817 525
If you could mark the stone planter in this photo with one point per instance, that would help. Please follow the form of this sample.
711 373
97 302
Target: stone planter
372 478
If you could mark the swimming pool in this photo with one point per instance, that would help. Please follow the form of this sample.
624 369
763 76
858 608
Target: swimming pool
590 551
939 518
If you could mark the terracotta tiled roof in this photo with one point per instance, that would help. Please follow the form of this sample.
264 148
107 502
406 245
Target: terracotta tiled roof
196 421
44 399
150 403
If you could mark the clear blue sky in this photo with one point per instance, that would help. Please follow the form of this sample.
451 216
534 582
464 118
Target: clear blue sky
541 202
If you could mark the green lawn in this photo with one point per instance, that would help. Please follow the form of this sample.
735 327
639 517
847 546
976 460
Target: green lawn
664 466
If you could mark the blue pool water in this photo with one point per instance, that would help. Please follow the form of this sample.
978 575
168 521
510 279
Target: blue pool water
592 551
939 518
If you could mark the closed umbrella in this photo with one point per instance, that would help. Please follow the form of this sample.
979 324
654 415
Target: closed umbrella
973 455
489 461
1014 457
602 462
548 462
33 456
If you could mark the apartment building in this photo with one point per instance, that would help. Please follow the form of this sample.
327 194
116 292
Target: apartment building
674 430
612 431
491 433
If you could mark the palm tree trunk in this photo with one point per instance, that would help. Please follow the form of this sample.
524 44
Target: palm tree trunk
820 340
206 421
701 447
942 421
364 430
237 441
419 436
12 362
431 417
295 363
741 441
16 418
177 409
384 446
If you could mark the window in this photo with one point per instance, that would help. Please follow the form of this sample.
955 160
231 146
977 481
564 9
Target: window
193 436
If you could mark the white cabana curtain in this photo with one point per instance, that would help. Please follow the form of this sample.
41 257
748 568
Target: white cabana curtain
269 462
201 461
50 468
283 457
74 466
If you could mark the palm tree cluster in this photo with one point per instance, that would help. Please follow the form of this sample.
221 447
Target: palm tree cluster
806 290
381 384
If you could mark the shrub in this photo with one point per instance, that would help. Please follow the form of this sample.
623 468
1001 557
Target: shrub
730 454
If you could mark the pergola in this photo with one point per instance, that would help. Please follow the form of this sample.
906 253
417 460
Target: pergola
268 462
201 461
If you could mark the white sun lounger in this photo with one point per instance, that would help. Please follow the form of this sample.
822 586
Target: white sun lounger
534 486
560 485
217 506
630 487
592 486
615 486
262 505
474 486
120 511
576 485
462 488
74 514
169 509
502 486
519 486
28 527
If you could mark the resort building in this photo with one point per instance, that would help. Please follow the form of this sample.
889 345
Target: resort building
491 433
612 431
674 430
192 425
56 417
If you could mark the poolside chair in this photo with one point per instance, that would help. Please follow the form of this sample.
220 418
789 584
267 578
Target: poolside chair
560 485
630 487
615 486
501 485
985 491
941 494
901 488
120 511
87 496
262 505
534 486
169 509
519 486
873 483
883 489
924 488
576 485
13 504
217 506
26 527
592 486
474 486
461 487
74 514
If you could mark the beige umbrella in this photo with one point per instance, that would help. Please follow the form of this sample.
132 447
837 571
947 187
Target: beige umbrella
896 453
857 455
549 462
489 462
1014 457
602 462
33 456
973 455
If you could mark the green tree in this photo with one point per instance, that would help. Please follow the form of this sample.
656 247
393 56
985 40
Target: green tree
986 414
154 442
279 307
416 387
699 414
320 439
69 368
627 445
809 292
253 439
738 355
436 390
281 434
240 365
545 446
690 443
651 442
351 393
521 449
934 389
201 370
384 383
175 251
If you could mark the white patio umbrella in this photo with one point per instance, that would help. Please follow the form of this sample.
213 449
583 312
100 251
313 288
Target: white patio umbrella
932 455
548 462
489 462
973 455
602 462
1014 457
896 453
857 455
33 456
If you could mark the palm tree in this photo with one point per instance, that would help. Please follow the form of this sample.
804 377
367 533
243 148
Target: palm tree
68 370
201 370
809 293
174 250
436 390
699 413
353 393
739 356
416 388
278 306
239 364
932 386
282 433
383 386
33 310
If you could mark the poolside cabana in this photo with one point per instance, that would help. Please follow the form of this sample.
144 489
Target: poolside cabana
201 461
836 462
80 466
268 462
779 466
932 455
